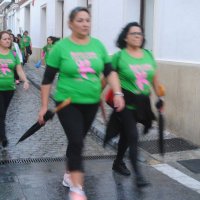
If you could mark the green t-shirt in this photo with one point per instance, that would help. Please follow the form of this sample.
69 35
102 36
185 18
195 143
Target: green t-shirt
47 49
136 74
26 40
7 65
80 67
22 45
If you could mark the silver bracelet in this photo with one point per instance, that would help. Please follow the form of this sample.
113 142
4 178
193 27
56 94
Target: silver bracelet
119 94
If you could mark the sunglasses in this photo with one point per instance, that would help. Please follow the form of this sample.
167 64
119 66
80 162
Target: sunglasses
136 33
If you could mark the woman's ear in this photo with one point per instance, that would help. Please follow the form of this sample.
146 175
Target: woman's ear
69 25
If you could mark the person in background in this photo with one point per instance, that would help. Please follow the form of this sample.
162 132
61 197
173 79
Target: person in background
17 39
55 39
46 49
22 47
8 62
15 48
80 61
28 45
137 71
9 31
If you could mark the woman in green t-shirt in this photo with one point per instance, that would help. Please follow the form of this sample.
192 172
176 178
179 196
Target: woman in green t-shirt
137 72
80 61
27 45
9 60
46 49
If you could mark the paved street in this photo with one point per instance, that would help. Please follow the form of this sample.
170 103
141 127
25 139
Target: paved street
42 181
33 169
49 141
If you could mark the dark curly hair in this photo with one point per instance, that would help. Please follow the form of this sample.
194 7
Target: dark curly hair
121 43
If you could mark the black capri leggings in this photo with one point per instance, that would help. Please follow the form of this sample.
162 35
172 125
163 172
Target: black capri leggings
76 120
5 98
128 137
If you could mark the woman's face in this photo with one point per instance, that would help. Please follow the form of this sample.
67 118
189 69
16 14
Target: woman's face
49 41
134 37
12 38
5 40
81 24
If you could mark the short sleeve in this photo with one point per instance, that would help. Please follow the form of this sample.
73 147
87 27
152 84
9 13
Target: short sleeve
115 60
17 60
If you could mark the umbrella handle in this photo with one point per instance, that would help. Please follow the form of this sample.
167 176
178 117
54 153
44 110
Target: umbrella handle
62 105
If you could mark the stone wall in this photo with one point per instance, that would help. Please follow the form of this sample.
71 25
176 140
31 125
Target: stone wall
182 82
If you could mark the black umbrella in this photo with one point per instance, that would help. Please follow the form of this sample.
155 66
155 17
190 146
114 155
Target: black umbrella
113 128
49 115
161 124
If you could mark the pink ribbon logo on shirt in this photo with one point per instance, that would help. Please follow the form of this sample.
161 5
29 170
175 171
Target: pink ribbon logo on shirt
141 79
84 68
4 68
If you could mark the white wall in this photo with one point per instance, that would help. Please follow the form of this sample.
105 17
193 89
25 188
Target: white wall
59 31
148 23
42 27
177 30
108 18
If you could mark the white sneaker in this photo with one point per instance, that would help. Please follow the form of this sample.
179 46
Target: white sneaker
67 180
77 195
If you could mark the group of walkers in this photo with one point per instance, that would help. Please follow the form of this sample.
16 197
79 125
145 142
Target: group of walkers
81 60
23 43
10 63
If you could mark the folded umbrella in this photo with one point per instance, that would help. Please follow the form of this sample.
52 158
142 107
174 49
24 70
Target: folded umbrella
113 128
49 115
161 130
161 124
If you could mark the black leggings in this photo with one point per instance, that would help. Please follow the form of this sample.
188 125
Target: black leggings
76 120
5 98
128 138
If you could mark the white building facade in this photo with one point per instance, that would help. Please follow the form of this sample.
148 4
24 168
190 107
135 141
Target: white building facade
172 32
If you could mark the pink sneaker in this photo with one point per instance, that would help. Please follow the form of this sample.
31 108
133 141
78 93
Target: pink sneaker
77 196
67 180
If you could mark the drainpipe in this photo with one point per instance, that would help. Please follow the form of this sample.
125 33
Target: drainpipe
62 18
142 8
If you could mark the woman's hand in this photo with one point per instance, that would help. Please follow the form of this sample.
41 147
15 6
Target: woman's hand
119 102
42 112
26 85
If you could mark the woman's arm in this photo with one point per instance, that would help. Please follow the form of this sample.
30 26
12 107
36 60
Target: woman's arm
158 88
47 81
114 83
22 76
45 92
